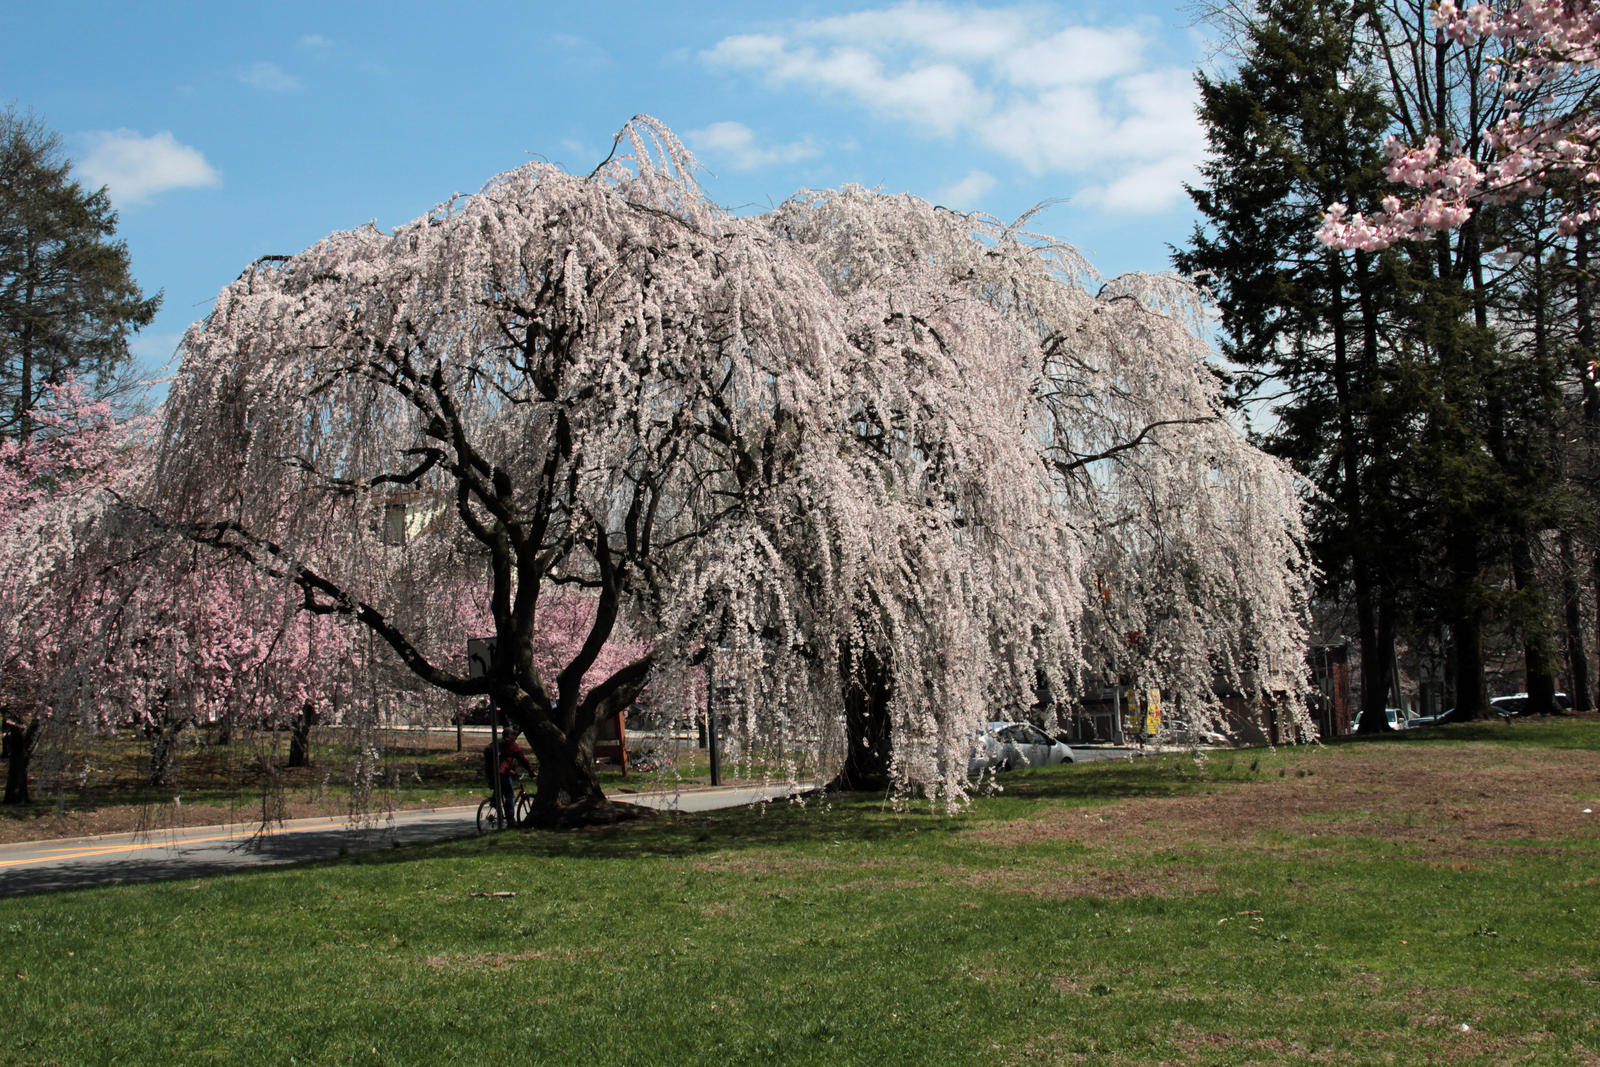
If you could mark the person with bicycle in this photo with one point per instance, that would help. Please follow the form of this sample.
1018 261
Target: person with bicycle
505 755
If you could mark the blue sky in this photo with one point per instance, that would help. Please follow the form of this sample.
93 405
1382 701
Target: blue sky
227 132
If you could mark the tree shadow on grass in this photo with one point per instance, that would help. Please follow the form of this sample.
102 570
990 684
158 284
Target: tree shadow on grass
860 819
1574 730
775 826
1166 775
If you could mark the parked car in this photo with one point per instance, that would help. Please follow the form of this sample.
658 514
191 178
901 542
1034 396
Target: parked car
1004 746
1517 704
1447 715
1507 706
1504 706
1394 715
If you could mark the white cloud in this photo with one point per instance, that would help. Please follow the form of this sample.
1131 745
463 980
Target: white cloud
930 27
1147 188
937 96
1077 55
1051 97
135 167
736 143
968 193
315 40
269 77
745 50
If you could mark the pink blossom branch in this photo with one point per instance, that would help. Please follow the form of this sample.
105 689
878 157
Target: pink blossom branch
1558 153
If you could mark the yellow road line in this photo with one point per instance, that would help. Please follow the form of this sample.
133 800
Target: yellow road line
106 850
73 852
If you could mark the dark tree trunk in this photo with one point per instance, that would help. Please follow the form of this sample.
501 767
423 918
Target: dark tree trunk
1538 653
163 732
1583 305
300 735
1375 676
567 793
1374 668
1572 611
868 746
224 734
1353 498
1541 689
1466 623
1594 570
163 742
19 742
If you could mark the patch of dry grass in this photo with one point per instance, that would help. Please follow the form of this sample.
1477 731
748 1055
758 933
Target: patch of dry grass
1446 797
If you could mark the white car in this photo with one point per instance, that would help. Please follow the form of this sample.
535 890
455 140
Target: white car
1396 717
1003 746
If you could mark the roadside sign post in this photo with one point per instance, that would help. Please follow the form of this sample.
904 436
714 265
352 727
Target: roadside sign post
714 748
480 654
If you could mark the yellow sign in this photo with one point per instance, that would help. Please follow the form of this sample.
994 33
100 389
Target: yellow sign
1152 712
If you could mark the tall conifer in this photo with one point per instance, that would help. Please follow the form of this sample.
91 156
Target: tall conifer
68 300
1294 129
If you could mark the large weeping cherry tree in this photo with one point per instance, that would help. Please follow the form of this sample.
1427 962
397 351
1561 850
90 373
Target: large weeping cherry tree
1188 542
764 447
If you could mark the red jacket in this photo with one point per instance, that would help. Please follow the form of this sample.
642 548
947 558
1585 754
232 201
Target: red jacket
511 754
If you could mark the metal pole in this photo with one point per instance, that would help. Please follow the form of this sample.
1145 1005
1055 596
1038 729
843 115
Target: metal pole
711 729
1116 711
499 755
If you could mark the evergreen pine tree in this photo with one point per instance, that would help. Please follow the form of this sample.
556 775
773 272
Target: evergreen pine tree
1291 131
68 301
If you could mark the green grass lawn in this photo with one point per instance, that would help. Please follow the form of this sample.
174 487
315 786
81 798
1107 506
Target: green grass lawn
1426 899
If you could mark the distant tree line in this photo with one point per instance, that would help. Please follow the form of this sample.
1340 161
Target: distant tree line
1438 392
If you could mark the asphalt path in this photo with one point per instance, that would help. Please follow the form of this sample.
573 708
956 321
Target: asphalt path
191 852
196 851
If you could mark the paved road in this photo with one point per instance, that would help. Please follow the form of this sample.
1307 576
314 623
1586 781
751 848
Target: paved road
37 866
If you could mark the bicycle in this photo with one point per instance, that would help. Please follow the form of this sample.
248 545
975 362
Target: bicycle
520 803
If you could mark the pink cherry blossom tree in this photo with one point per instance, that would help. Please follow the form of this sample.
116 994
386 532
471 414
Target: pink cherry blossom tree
54 484
108 625
183 640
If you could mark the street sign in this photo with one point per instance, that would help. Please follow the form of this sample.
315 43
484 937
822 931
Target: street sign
480 654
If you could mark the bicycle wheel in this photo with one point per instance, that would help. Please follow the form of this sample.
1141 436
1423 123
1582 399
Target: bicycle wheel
524 809
488 817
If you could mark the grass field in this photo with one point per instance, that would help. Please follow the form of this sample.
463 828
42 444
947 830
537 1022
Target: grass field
1426 899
